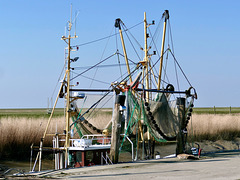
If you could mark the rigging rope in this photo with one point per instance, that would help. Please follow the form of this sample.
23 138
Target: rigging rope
93 66
118 54
111 90
98 108
119 64
104 66
153 65
90 42
58 80
180 68
124 74
170 39
101 58
95 104
165 69
170 29
128 59
158 56
93 79
131 42
157 32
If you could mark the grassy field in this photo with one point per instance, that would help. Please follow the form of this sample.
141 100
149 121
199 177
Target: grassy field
38 113
29 113
216 110
214 127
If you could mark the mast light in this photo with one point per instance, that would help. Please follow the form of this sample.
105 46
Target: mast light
74 59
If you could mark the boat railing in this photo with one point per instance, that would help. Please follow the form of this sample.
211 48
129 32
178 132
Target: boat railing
106 159
125 136
91 140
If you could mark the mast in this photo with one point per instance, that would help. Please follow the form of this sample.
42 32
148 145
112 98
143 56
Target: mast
146 56
68 96
166 15
68 106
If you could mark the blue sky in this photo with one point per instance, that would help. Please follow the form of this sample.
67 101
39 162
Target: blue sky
206 43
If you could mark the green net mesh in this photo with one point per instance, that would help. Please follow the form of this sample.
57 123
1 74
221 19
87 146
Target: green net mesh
157 113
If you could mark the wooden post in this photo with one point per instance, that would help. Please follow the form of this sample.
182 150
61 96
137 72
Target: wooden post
214 108
116 128
181 119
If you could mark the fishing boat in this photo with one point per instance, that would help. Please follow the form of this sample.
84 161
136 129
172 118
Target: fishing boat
148 106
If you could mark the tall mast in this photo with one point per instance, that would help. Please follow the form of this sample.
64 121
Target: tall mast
146 56
68 93
68 106
166 15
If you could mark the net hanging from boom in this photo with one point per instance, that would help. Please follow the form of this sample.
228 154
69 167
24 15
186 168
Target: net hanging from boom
158 116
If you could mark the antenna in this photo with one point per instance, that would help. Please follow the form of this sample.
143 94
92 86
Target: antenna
75 22
71 14
71 22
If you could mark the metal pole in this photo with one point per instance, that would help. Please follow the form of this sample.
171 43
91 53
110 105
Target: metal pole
162 50
117 24
131 146
31 156
146 56
49 120
35 162
40 154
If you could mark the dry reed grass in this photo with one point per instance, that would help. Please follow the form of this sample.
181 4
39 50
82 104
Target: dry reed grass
213 127
17 134
101 121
